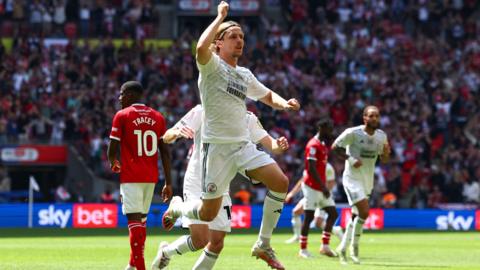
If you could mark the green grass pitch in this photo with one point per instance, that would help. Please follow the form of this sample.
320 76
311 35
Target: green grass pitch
53 249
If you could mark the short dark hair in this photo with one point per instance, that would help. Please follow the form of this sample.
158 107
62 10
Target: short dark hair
134 87
325 121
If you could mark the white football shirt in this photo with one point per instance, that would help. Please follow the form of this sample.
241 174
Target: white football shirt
361 146
192 184
223 91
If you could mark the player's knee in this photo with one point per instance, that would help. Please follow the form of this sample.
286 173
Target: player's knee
363 214
282 184
199 242
216 246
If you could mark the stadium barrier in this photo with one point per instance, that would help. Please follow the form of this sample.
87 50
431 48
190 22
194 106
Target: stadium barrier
83 215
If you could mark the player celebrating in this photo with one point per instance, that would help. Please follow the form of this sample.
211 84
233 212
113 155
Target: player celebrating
314 188
360 146
137 129
320 216
226 150
201 232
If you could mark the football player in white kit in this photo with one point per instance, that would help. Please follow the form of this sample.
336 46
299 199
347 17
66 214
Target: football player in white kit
206 234
226 150
360 146
320 215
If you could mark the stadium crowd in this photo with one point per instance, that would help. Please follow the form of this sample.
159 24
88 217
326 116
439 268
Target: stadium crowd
419 61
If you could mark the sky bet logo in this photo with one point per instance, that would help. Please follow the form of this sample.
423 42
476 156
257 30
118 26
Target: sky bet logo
54 217
450 221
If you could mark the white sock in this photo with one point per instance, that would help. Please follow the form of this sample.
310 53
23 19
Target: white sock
357 230
206 261
188 209
296 225
180 246
347 235
272 209
337 230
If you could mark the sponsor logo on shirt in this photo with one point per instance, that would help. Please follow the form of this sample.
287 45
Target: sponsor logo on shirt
237 90
368 154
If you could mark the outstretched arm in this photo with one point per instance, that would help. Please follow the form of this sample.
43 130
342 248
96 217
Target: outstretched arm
172 134
206 39
277 146
275 101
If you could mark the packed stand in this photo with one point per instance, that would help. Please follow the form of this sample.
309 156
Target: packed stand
75 18
419 61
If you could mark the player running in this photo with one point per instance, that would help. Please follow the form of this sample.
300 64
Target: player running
206 234
320 216
226 150
360 146
137 129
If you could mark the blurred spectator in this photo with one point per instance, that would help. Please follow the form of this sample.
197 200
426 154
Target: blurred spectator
62 194
242 196
471 191
107 196
419 61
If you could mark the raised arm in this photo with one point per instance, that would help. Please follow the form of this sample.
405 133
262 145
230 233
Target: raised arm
208 36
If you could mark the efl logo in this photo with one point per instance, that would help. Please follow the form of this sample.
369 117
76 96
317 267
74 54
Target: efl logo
95 215
477 220
241 216
374 221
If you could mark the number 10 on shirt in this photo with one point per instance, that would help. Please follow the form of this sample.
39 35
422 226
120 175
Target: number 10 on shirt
142 146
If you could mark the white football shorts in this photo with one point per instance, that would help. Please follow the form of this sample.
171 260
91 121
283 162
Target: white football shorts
355 192
220 163
314 199
136 197
222 221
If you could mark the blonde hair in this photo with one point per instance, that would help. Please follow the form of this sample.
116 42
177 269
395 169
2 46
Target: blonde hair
221 31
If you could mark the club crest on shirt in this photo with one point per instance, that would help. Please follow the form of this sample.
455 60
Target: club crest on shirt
211 188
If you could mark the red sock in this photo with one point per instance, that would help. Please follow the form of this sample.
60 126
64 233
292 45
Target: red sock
132 261
137 242
303 242
326 238
144 224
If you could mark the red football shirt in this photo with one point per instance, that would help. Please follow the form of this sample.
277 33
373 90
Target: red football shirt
138 128
317 151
